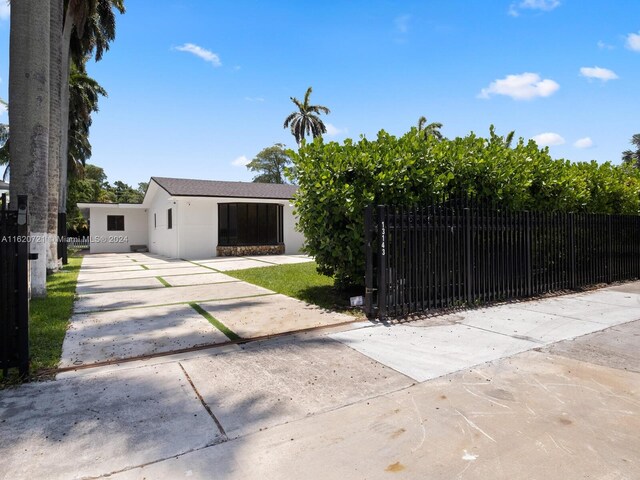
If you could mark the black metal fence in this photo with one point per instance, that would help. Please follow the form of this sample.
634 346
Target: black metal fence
424 258
14 287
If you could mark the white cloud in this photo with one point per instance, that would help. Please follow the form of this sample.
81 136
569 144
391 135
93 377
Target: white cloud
203 53
241 161
604 46
548 139
5 10
524 86
603 74
254 99
585 142
332 130
401 23
633 41
544 5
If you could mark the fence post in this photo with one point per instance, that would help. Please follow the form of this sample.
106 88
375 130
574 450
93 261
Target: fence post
572 251
62 238
368 252
22 287
382 261
469 263
529 266
609 251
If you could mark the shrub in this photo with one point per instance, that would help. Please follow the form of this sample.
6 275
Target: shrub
338 180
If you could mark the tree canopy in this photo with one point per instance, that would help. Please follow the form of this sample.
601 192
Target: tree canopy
270 164
632 157
91 185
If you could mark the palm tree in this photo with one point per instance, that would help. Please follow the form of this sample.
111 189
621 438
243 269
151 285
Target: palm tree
84 94
306 121
29 120
429 129
506 141
89 26
631 157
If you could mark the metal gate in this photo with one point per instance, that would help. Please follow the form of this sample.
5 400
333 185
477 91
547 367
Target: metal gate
14 286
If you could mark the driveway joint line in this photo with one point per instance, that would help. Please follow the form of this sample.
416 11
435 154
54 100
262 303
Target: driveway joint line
90 270
523 338
163 281
259 260
186 302
569 317
204 404
231 335
155 287
203 266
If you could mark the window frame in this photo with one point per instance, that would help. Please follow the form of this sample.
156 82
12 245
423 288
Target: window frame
250 224
114 228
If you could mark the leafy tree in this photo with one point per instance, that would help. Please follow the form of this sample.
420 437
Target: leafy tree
90 185
631 157
270 164
425 129
306 120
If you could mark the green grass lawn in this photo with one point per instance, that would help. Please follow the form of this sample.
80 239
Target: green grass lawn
301 281
50 317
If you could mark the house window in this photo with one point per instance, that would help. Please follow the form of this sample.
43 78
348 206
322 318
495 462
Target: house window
115 223
249 224
155 221
170 218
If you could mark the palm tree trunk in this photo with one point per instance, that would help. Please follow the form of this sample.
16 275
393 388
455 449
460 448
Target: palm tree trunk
64 112
55 133
29 120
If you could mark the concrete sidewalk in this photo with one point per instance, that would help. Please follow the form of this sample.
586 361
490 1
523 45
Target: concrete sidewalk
508 393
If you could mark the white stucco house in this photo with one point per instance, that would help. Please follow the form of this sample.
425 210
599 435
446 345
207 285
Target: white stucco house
196 219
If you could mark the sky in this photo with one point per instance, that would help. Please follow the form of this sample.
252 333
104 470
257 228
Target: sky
198 87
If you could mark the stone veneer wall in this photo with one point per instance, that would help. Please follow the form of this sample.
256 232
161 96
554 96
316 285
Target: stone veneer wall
246 250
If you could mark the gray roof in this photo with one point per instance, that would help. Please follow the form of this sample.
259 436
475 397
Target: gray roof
4 185
183 187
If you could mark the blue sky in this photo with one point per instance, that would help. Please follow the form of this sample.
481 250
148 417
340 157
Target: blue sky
196 87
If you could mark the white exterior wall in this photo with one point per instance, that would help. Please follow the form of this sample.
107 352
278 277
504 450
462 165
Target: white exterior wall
293 240
198 225
162 240
106 241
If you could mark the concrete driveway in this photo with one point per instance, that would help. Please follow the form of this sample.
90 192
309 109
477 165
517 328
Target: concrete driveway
510 394
138 304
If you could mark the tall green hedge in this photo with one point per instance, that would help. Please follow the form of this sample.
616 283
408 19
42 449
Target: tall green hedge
338 180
